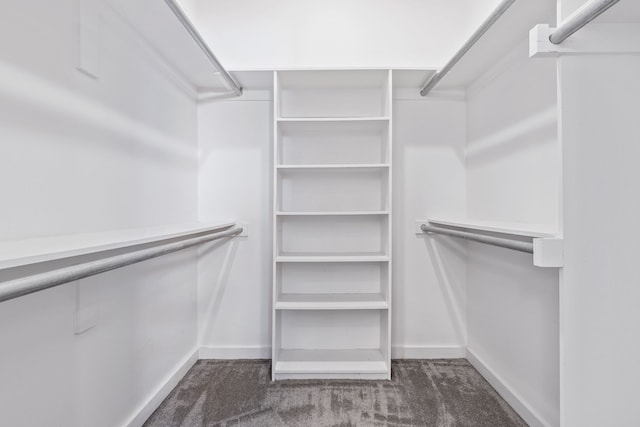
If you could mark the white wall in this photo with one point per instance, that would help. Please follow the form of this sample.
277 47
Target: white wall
93 155
598 317
512 153
250 34
429 274
234 304
513 175
85 155
235 181
599 287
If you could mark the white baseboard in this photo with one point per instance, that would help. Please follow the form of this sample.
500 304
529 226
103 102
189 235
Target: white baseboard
427 352
156 398
507 392
228 352
397 352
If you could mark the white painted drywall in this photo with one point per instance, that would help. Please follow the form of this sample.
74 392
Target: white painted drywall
85 155
429 273
234 181
249 34
599 286
512 150
513 175
234 282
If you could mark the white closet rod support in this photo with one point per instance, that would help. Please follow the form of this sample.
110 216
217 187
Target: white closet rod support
489 240
581 17
38 282
186 23
436 77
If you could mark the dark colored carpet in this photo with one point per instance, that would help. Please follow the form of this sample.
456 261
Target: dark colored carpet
421 393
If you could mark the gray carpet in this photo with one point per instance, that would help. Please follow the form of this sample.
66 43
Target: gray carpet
421 393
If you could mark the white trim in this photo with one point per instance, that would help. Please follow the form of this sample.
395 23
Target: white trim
507 392
331 376
427 352
397 352
144 412
595 39
230 352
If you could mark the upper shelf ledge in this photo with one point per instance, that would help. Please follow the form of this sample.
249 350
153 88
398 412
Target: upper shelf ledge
546 243
512 228
511 30
167 29
31 251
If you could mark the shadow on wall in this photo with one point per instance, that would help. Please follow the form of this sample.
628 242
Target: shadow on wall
451 290
440 131
44 107
210 313
534 130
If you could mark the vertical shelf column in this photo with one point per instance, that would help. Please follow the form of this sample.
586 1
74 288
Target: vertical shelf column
332 224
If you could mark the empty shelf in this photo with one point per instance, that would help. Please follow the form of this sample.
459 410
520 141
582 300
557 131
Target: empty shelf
15 253
331 302
333 119
334 213
516 229
331 361
332 257
347 167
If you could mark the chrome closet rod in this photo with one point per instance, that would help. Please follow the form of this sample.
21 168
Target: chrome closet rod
38 282
436 77
186 23
489 240
581 17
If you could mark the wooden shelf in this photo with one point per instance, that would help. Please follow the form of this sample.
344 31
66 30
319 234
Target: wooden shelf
30 251
332 78
332 257
332 119
332 198
320 213
332 363
331 302
348 167
515 229
547 242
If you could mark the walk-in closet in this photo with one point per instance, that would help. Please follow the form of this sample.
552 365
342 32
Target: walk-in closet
319 213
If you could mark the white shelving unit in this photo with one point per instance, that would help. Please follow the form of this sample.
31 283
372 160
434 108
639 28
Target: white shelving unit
332 224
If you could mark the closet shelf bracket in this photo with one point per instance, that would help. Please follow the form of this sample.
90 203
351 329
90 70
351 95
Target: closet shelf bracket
581 17
547 251
609 38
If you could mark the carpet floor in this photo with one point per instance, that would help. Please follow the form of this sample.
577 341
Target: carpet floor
421 393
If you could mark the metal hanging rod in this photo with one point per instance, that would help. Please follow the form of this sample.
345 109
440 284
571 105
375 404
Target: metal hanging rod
436 77
38 282
489 240
186 23
581 17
